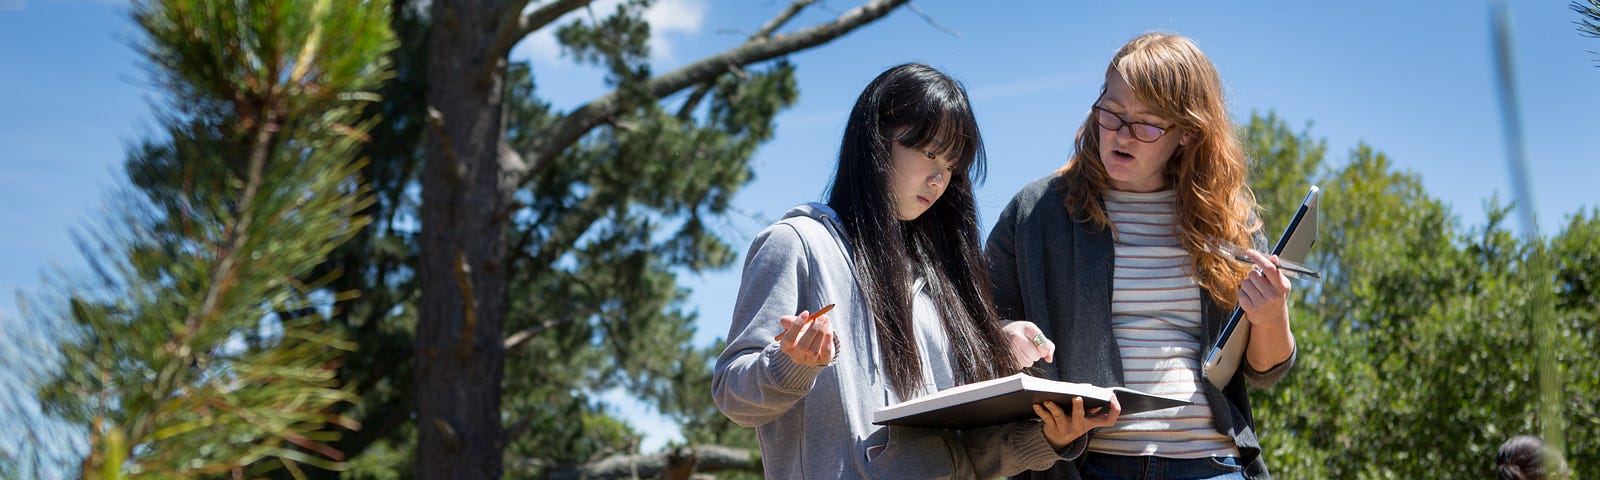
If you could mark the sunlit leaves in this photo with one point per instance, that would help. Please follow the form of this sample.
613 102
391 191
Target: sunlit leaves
1417 354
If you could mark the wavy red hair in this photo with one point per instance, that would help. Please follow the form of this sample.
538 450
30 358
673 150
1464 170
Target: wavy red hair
1176 81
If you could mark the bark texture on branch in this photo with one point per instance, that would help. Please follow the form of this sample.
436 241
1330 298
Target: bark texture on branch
568 130
680 463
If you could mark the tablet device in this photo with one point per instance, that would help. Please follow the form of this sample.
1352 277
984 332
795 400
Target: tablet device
1224 356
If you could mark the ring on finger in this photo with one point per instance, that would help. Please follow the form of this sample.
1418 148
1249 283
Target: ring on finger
1038 339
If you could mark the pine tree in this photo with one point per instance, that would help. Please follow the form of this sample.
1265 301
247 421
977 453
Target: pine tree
590 299
481 168
1589 13
1588 19
198 351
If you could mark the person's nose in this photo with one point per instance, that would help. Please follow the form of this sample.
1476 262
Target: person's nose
1123 138
937 180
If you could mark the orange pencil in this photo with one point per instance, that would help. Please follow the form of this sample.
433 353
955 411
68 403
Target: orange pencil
808 319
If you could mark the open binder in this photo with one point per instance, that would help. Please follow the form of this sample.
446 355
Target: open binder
1010 399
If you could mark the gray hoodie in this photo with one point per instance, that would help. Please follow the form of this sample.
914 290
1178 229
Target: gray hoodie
816 422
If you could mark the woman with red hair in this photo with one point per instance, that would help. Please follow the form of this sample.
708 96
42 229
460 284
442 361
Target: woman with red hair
1108 256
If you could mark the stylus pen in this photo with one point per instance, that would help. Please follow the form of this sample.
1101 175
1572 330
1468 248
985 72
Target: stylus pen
1292 269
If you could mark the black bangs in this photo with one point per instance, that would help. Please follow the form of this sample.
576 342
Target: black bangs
917 107
940 120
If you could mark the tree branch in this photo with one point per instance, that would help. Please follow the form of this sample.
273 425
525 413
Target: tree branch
1589 26
765 32
782 18
235 234
569 227
530 332
512 32
523 335
704 458
545 15
510 161
568 130
694 99
929 18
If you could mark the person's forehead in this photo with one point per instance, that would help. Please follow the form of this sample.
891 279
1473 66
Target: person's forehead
1121 96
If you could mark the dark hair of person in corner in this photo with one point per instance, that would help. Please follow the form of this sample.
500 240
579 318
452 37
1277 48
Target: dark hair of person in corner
1523 458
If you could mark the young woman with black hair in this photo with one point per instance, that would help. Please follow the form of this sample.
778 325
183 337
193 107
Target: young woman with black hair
896 248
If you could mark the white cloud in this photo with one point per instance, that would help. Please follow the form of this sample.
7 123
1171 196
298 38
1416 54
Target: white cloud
540 46
674 17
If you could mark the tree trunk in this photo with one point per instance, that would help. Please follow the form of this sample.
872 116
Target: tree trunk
679 463
468 181
459 354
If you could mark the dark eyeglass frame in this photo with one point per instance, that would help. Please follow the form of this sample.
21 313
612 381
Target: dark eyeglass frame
1133 127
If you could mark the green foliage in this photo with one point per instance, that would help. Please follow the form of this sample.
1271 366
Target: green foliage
379 261
201 351
691 404
1589 13
1417 353
593 302
384 458
620 42
596 255
1282 163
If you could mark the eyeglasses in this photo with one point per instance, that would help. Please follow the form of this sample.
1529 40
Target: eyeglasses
1112 121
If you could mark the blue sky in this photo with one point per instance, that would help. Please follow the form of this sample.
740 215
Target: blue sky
1411 79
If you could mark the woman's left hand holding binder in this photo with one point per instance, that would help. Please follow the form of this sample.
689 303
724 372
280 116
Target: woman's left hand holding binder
1062 427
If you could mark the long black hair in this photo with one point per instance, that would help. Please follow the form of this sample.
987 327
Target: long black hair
920 108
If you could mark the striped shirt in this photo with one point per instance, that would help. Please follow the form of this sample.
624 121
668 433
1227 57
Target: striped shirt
1155 316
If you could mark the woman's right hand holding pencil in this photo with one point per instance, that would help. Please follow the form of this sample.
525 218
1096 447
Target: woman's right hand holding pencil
807 340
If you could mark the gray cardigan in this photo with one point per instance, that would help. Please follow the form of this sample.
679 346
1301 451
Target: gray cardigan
816 422
1056 272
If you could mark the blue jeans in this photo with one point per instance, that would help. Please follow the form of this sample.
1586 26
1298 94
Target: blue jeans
1119 467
